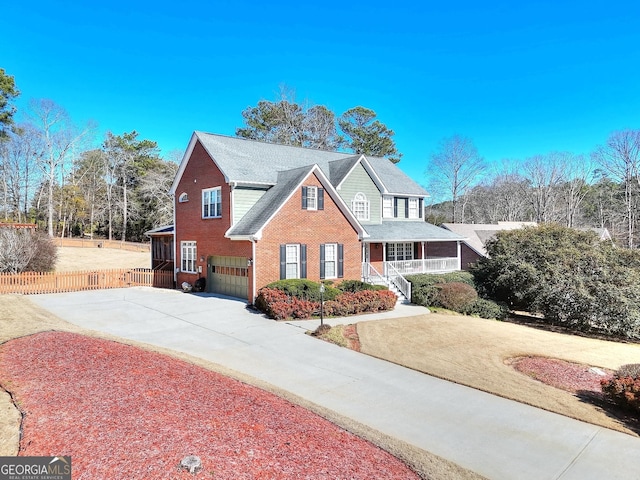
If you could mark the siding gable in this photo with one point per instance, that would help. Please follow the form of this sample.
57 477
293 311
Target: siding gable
359 181
244 198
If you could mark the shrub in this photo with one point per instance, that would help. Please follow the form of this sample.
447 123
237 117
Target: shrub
630 370
278 305
455 296
484 308
26 250
368 301
567 275
305 289
423 286
358 286
624 387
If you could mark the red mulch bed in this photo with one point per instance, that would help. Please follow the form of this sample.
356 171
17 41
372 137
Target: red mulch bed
572 377
124 412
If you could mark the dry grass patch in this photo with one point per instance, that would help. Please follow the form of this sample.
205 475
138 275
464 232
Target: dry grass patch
477 352
72 259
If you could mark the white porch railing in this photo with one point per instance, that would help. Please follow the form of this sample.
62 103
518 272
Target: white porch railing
426 265
399 281
371 275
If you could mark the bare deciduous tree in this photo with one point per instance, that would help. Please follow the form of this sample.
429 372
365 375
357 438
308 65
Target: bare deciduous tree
58 138
456 167
620 160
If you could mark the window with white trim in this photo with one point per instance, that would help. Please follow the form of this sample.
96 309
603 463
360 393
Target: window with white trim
292 260
183 197
387 207
399 251
330 260
188 257
212 203
360 206
414 208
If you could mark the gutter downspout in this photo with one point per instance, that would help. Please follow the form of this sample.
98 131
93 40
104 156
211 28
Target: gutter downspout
254 291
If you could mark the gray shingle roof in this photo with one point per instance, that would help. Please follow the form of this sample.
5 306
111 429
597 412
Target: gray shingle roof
270 202
250 161
477 234
409 232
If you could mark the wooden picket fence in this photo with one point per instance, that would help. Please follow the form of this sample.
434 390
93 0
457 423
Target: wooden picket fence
57 282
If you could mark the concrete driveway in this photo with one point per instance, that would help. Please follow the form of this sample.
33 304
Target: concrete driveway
492 436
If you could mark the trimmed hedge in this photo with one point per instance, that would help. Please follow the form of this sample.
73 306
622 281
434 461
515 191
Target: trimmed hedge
358 286
280 305
365 301
305 289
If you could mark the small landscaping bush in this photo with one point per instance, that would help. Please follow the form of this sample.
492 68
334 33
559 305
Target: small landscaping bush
624 387
456 296
484 308
423 286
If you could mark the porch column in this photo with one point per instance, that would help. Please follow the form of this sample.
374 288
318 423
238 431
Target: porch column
459 255
424 259
384 259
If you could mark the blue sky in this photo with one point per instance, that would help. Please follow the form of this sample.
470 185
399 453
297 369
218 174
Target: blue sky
519 79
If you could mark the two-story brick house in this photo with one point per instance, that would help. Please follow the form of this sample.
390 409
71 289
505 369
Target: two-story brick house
248 213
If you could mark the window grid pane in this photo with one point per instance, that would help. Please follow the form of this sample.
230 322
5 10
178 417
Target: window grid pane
292 259
413 208
387 207
312 198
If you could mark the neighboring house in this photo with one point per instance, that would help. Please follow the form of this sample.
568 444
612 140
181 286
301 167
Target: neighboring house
476 236
249 213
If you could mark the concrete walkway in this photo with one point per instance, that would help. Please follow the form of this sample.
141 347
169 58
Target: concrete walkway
494 437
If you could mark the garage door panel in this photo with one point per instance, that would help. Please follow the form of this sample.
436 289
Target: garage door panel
228 276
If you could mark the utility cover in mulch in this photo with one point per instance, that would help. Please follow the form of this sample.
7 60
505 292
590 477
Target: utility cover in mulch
125 412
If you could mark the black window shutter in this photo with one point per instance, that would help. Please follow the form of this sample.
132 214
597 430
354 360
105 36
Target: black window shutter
322 260
283 262
395 207
420 212
303 261
304 198
416 251
340 260
406 208
320 198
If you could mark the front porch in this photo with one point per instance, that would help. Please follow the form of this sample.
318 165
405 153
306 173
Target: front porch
388 263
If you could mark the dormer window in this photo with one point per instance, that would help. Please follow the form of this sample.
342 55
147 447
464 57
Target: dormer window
360 206
183 197
312 198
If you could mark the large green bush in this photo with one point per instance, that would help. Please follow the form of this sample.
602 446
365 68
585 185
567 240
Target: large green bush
567 275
